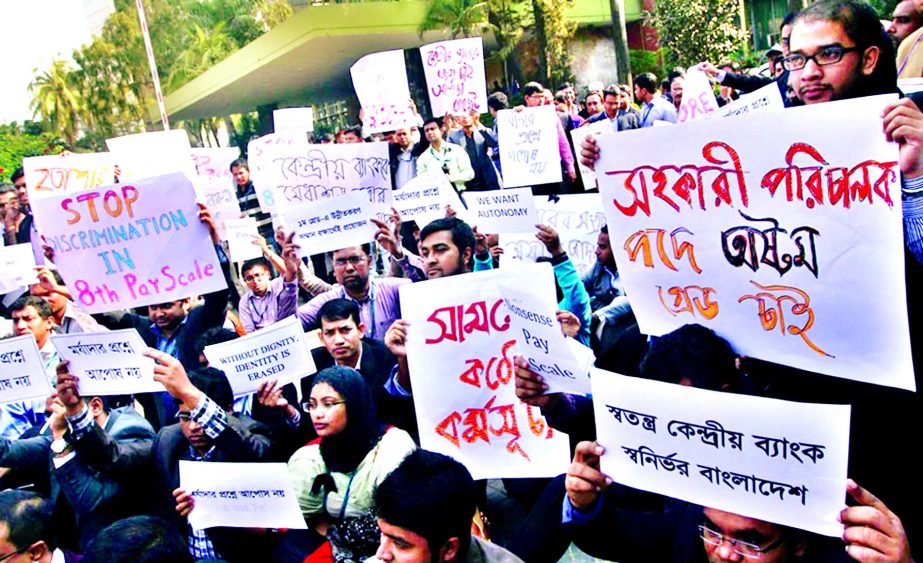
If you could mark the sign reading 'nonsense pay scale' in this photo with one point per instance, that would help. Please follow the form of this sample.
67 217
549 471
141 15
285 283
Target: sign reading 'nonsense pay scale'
117 245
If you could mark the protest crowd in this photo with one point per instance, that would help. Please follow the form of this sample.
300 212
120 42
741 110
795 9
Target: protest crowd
354 375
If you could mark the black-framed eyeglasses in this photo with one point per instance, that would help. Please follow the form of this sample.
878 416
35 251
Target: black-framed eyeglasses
323 405
352 260
19 551
744 549
828 55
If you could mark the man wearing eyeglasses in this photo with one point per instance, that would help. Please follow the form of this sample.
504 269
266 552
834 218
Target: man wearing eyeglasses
378 301
27 530
269 300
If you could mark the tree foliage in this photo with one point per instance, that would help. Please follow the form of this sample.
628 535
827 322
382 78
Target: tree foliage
112 72
19 141
57 100
557 31
692 32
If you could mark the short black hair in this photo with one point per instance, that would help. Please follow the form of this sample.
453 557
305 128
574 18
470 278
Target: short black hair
436 120
253 262
498 101
647 81
139 539
431 495
28 518
17 174
239 163
565 86
40 305
214 384
214 335
8 188
678 71
789 19
462 235
695 353
612 91
532 88
111 402
339 309
604 229
354 130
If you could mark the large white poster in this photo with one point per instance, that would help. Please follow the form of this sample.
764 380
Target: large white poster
455 77
528 141
789 243
460 348
767 459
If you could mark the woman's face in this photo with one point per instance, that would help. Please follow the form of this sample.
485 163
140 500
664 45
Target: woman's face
328 410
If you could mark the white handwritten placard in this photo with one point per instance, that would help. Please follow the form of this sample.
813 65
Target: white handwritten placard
460 352
108 363
380 82
577 218
144 155
240 495
425 197
131 244
303 174
48 175
767 459
503 211
698 97
761 238
218 195
261 155
767 98
529 146
532 313
215 162
241 233
279 351
332 224
455 77
577 136
17 267
22 372
297 119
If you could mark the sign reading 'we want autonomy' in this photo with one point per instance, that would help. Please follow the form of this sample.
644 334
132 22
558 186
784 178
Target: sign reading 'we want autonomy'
789 243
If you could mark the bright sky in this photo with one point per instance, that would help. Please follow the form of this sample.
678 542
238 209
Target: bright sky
35 33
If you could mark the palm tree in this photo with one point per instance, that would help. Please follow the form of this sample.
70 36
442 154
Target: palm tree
457 17
206 48
56 101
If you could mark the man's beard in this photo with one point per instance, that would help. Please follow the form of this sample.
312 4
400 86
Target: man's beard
357 284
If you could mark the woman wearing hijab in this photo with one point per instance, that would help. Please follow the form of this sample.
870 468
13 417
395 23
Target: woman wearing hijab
335 476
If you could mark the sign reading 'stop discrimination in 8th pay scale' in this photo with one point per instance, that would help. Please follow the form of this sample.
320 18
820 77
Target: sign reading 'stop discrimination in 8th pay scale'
131 244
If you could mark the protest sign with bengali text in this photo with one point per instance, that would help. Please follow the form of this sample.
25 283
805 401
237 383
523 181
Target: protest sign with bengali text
460 348
424 198
119 246
380 82
240 236
576 217
108 363
22 372
279 351
49 175
767 459
587 174
332 224
261 153
790 244
455 77
240 495
528 141
297 119
767 98
215 162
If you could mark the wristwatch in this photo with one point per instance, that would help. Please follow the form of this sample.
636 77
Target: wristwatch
60 447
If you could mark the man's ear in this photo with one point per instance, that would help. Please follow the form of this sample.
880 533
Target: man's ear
96 406
361 328
449 550
469 252
870 59
38 550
